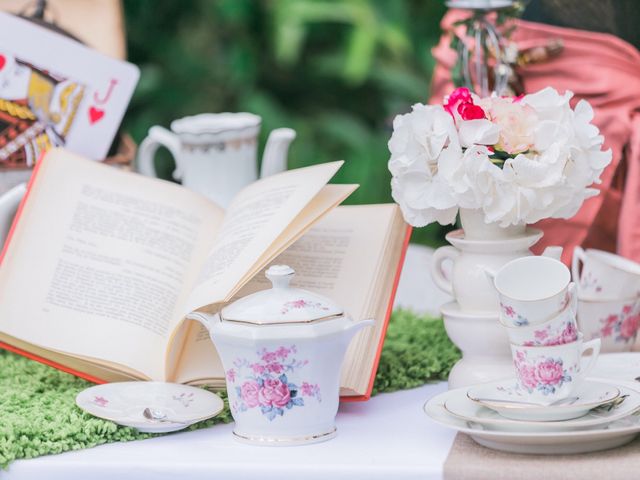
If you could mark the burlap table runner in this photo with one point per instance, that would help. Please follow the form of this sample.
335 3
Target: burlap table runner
469 461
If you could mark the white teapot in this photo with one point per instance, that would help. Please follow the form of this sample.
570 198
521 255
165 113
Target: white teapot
282 351
216 153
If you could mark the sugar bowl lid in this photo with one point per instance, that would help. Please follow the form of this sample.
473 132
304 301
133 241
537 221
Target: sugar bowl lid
281 304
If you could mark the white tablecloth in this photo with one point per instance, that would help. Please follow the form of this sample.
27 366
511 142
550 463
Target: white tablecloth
386 438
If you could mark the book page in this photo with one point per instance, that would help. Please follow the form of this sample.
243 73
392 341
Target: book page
257 216
187 354
341 257
101 260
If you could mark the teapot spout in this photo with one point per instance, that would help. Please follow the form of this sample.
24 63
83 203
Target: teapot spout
203 318
274 159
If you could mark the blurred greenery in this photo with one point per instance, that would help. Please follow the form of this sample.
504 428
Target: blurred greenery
337 71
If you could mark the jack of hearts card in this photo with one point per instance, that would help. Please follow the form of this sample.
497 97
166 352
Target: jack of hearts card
56 92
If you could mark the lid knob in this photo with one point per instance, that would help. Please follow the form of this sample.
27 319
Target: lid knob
280 275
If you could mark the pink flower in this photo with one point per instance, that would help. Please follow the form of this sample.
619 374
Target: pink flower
275 368
249 392
527 375
283 352
231 375
541 334
606 331
626 309
269 357
308 389
549 372
629 326
516 120
569 334
101 401
297 303
458 96
274 393
469 111
257 368
508 310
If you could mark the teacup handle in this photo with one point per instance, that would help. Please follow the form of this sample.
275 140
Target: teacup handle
578 258
158 137
441 255
594 346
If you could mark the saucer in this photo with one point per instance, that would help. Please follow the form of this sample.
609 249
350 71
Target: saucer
601 437
124 402
508 400
460 406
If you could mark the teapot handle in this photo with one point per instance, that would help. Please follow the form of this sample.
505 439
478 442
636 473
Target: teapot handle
159 137
9 203
441 255
274 158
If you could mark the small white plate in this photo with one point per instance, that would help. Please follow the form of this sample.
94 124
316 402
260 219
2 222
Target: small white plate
124 402
460 406
602 437
508 400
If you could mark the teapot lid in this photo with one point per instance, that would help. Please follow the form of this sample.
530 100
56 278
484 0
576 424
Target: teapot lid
281 304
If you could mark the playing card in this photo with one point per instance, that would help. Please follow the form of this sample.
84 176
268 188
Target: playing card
55 91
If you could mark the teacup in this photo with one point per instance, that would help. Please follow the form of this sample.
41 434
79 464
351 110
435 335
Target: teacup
604 275
559 330
533 290
614 322
549 374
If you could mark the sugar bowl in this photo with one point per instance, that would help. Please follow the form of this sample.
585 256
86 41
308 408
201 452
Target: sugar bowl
282 350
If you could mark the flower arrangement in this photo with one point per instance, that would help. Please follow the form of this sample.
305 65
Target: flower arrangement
516 159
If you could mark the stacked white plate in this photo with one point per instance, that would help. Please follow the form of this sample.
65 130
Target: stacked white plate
603 413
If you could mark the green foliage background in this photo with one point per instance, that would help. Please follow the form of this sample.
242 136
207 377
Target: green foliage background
337 71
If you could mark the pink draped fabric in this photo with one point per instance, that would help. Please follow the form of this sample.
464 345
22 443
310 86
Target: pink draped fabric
604 70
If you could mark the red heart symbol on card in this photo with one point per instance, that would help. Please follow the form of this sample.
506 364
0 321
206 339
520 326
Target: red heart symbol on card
3 61
95 115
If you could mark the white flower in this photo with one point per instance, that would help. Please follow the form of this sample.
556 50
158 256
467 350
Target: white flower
478 132
528 160
419 139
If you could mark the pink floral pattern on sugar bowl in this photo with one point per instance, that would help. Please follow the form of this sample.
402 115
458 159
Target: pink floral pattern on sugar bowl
301 304
270 384
622 326
516 319
543 375
547 338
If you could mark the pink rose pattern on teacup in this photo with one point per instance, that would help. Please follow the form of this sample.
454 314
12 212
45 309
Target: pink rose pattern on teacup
545 374
545 338
265 384
622 326
516 319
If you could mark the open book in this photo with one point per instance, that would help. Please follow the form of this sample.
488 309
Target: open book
102 266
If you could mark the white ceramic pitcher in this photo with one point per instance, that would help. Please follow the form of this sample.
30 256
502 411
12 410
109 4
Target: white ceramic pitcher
216 153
